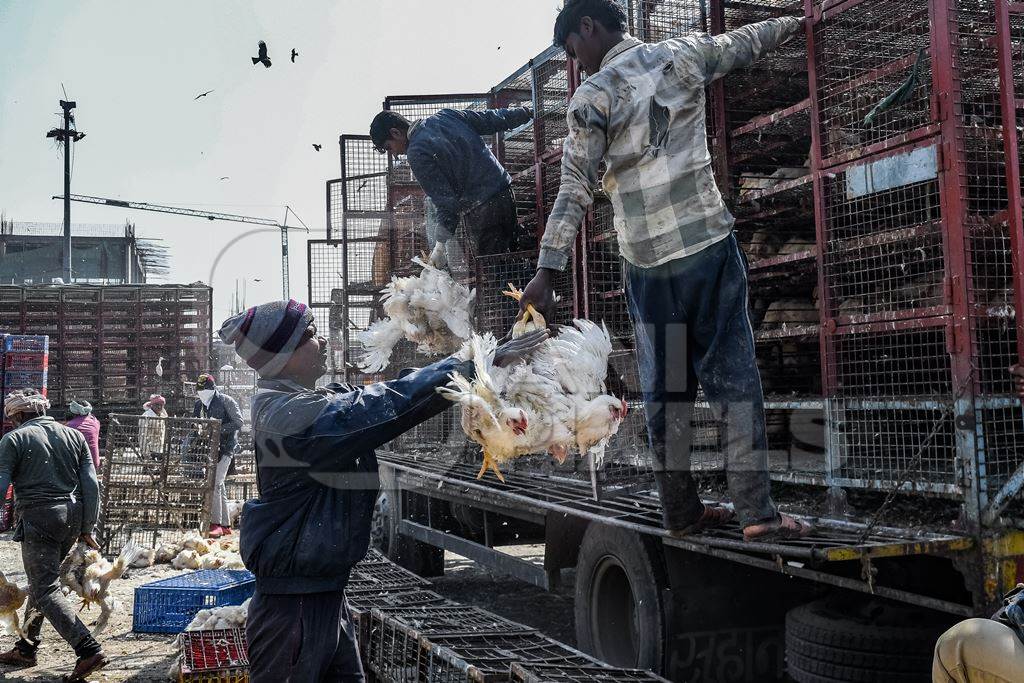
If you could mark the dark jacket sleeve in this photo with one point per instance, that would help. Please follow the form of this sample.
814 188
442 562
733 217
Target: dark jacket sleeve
491 121
233 421
88 486
197 409
438 186
8 461
362 420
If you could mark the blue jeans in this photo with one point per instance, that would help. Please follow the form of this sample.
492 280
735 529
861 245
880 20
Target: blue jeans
692 327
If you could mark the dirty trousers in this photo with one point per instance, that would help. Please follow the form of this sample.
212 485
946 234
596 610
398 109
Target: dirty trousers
692 326
493 224
49 533
302 639
978 651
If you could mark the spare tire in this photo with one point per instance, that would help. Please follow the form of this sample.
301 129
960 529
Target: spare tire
862 641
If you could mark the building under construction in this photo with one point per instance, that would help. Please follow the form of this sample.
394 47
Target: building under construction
32 253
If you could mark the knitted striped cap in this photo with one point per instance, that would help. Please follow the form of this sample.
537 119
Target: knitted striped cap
265 336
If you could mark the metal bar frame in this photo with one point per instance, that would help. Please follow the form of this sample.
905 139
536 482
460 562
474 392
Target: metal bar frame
946 84
478 552
1009 105
788 561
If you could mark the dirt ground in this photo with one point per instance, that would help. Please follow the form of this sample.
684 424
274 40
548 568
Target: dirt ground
141 657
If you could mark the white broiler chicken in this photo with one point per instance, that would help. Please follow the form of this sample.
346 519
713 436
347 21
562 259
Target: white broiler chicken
167 552
430 310
11 599
228 616
554 403
197 543
146 558
94 585
186 559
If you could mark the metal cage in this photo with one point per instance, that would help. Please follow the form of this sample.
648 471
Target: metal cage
157 478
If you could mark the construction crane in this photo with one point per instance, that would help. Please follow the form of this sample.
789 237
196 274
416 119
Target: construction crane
209 215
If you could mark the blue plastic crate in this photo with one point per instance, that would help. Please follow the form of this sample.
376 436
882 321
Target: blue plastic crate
25 380
27 342
168 605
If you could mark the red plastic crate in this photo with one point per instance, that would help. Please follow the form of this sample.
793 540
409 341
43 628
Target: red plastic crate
214 656
26 361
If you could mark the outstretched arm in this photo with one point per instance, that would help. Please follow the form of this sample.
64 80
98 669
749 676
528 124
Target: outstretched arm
355 422
710 57
491 121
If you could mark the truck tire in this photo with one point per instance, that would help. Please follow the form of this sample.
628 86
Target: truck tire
864 642
420 558
619 603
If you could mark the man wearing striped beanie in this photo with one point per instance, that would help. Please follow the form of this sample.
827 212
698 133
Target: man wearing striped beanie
317 481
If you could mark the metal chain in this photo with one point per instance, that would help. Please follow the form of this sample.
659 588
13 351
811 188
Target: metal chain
904 477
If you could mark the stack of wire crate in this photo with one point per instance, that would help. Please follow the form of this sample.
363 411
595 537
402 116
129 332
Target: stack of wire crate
157 474
919 236
451 642
762 142
556 673
365 239
115 345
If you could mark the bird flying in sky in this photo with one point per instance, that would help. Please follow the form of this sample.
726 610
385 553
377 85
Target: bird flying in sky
263 58
295 53
316 146
202 94
224 177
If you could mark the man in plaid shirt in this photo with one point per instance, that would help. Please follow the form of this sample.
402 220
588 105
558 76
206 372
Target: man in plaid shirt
642 113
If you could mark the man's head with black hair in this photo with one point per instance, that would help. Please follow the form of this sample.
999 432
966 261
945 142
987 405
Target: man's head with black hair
588 29
389 132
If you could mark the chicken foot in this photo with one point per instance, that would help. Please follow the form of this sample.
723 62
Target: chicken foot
490 463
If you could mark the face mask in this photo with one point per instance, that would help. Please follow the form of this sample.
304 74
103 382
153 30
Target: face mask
206 395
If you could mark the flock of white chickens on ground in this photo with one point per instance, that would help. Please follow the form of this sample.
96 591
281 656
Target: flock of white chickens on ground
554 403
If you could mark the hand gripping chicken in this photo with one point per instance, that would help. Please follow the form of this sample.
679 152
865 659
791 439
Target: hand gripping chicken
552 403
11 599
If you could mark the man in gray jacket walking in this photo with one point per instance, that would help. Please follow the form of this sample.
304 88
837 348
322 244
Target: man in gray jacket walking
58 499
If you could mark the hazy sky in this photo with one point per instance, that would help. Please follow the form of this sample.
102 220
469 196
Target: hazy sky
134 68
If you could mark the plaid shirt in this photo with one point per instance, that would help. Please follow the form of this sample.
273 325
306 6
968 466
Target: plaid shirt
643 114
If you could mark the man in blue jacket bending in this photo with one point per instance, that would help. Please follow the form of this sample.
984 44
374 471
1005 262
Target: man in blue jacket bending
317 480
457 172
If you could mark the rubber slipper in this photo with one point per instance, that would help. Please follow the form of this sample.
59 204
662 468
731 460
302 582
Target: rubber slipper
710 518
785 527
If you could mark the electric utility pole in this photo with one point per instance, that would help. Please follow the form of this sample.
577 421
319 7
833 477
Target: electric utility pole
67 135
